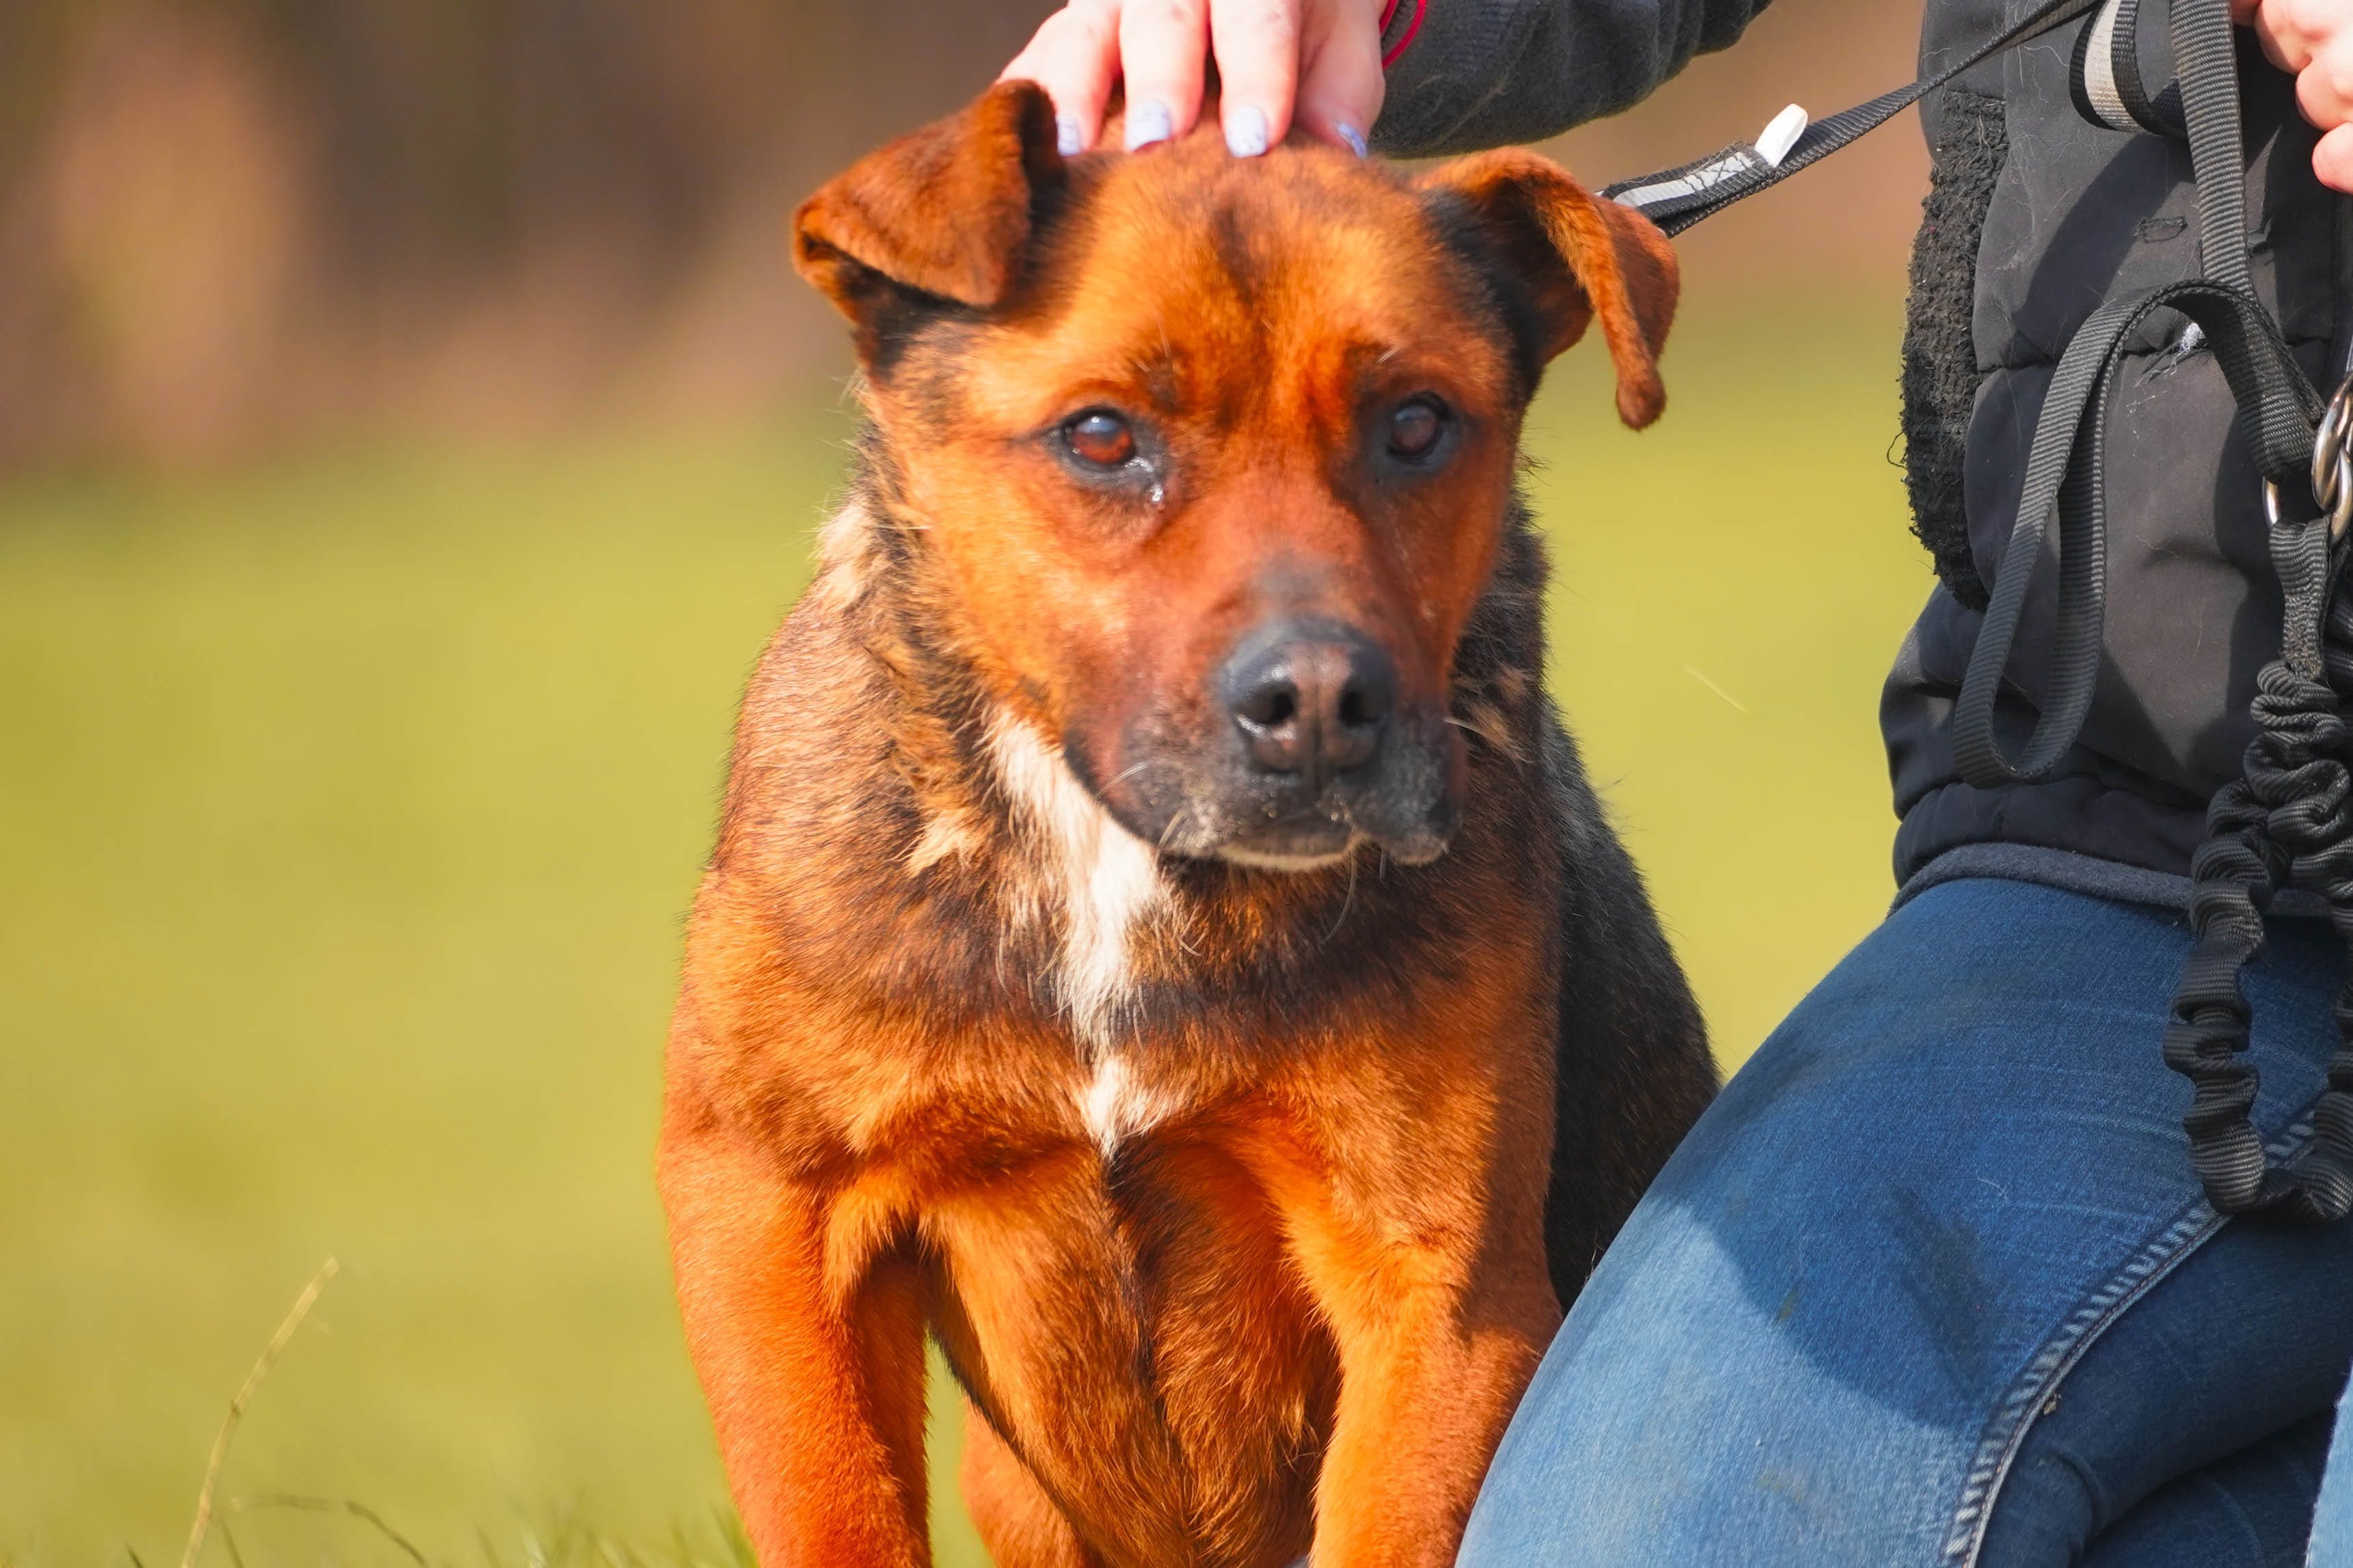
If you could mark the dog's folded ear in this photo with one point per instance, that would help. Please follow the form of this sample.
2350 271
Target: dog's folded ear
1579 257
941 214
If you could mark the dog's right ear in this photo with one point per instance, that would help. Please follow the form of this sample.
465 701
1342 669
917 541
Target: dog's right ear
942 213
1582 259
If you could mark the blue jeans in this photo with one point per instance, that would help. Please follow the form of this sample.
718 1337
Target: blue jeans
1931 1283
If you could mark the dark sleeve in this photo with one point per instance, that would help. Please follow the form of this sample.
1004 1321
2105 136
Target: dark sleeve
1486 73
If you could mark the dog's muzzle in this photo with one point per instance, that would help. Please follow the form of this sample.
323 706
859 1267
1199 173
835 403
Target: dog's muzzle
1314 751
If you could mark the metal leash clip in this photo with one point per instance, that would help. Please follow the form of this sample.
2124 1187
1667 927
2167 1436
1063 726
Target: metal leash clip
2332 466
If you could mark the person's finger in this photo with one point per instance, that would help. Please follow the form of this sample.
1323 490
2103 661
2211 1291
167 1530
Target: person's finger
2276 49
1340 79
1075 57
2324 94
2331 60
2277 52
1257 46
2293 31
2274 32
2332 159
1163 46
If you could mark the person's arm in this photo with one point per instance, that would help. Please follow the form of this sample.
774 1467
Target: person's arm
1485 73
1464 74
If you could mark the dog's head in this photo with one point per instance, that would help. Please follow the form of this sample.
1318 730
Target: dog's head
1216 453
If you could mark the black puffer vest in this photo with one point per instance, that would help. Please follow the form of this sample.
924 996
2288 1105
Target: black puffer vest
2035 216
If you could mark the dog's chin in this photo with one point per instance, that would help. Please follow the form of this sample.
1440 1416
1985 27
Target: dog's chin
1303 847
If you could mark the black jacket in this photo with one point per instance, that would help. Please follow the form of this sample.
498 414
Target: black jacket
2034 217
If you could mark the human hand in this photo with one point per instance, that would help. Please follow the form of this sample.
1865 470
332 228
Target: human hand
1313 62
2313 39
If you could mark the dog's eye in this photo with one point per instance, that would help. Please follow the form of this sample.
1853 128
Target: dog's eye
1416 427
1101 437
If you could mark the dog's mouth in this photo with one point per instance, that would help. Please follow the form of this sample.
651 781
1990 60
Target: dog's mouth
1306 843
1411 826
1209 803
1312 842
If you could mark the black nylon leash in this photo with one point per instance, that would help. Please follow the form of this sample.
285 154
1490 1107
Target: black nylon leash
2287 821
2108 84
2278 409
2269 388
2285 824
1676 198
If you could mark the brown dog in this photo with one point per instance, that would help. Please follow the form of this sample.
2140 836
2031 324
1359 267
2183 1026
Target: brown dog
1160 939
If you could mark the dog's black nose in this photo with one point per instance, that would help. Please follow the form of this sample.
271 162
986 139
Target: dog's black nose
1311 698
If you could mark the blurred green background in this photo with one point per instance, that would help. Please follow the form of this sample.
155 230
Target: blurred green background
361 727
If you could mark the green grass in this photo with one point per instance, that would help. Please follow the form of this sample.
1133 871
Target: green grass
348 813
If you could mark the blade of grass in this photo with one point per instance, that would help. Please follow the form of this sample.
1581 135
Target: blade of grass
278 1341
326 1505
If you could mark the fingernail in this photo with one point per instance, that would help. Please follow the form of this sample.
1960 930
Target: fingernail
1147 122
1352 137
1246 131
1069 136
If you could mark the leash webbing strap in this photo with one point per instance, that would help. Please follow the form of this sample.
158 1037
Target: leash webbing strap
1676 198
2279 409
2108 83
2278 406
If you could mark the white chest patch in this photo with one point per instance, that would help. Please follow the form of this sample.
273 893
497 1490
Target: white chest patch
1116 1105
1107 880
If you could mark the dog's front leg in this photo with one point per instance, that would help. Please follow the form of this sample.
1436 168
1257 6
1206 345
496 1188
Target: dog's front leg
1426 1258
816 1384
1424 1400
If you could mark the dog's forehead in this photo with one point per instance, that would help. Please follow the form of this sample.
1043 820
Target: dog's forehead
1305 266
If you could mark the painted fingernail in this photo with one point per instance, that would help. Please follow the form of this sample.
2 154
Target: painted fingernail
1147 122
1246 131
1069 136
1352 137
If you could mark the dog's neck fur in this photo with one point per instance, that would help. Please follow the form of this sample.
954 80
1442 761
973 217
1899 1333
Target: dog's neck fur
989 787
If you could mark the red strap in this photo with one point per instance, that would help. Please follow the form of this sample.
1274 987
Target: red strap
1388 12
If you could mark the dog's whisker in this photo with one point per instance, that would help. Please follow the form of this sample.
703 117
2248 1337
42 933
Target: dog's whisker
1127 774
1346 902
